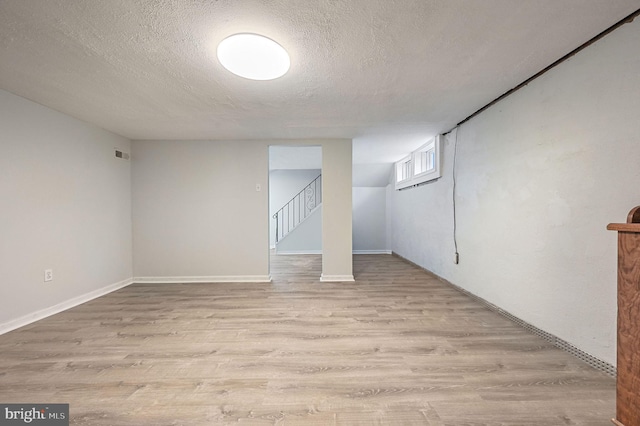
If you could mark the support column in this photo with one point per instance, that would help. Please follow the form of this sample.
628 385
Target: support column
337 245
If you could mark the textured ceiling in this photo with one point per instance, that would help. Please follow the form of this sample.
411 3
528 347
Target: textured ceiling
388 73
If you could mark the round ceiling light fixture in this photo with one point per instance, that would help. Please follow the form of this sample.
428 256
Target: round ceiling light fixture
253 56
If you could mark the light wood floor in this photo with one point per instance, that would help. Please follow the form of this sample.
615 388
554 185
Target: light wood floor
397 347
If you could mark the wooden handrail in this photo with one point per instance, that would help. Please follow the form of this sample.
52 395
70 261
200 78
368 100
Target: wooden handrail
624 227
632 225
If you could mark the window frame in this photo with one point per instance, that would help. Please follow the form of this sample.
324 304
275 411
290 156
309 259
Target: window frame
400 167
422 176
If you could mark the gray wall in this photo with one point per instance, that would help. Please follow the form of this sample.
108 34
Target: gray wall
369 220
65 205
197 214
539 176
198 217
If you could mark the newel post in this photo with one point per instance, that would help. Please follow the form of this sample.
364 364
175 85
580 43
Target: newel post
628 358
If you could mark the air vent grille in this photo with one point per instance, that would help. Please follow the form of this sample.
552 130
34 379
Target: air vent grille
123 155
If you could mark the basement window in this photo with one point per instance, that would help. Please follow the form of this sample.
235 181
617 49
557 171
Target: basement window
425 160
403 170
422 165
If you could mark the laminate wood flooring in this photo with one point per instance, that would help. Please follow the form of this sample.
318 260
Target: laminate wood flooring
397 347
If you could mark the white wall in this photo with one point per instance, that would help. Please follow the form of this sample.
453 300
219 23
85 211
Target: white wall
283 186
306 238
369 219
369 213
197 214
539 176
371 175
65 205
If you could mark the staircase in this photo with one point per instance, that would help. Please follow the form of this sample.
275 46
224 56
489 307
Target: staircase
298 208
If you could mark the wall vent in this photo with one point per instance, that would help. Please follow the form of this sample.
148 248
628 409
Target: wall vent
123 155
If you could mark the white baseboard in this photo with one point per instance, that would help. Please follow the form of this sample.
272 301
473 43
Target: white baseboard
320 252
336 278
298 251
211 279
63 306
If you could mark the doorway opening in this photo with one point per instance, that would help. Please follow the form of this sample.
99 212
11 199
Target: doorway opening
295 209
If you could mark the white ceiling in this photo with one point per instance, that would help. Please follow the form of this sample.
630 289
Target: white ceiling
387 73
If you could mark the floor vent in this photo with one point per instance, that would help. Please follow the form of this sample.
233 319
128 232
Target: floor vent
591 360
594 362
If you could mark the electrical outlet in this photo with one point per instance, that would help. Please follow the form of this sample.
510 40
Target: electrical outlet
456 258
48 275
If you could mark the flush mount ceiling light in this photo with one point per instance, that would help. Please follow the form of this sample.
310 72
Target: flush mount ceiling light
253 56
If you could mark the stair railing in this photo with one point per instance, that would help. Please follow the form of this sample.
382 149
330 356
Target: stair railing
298 208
